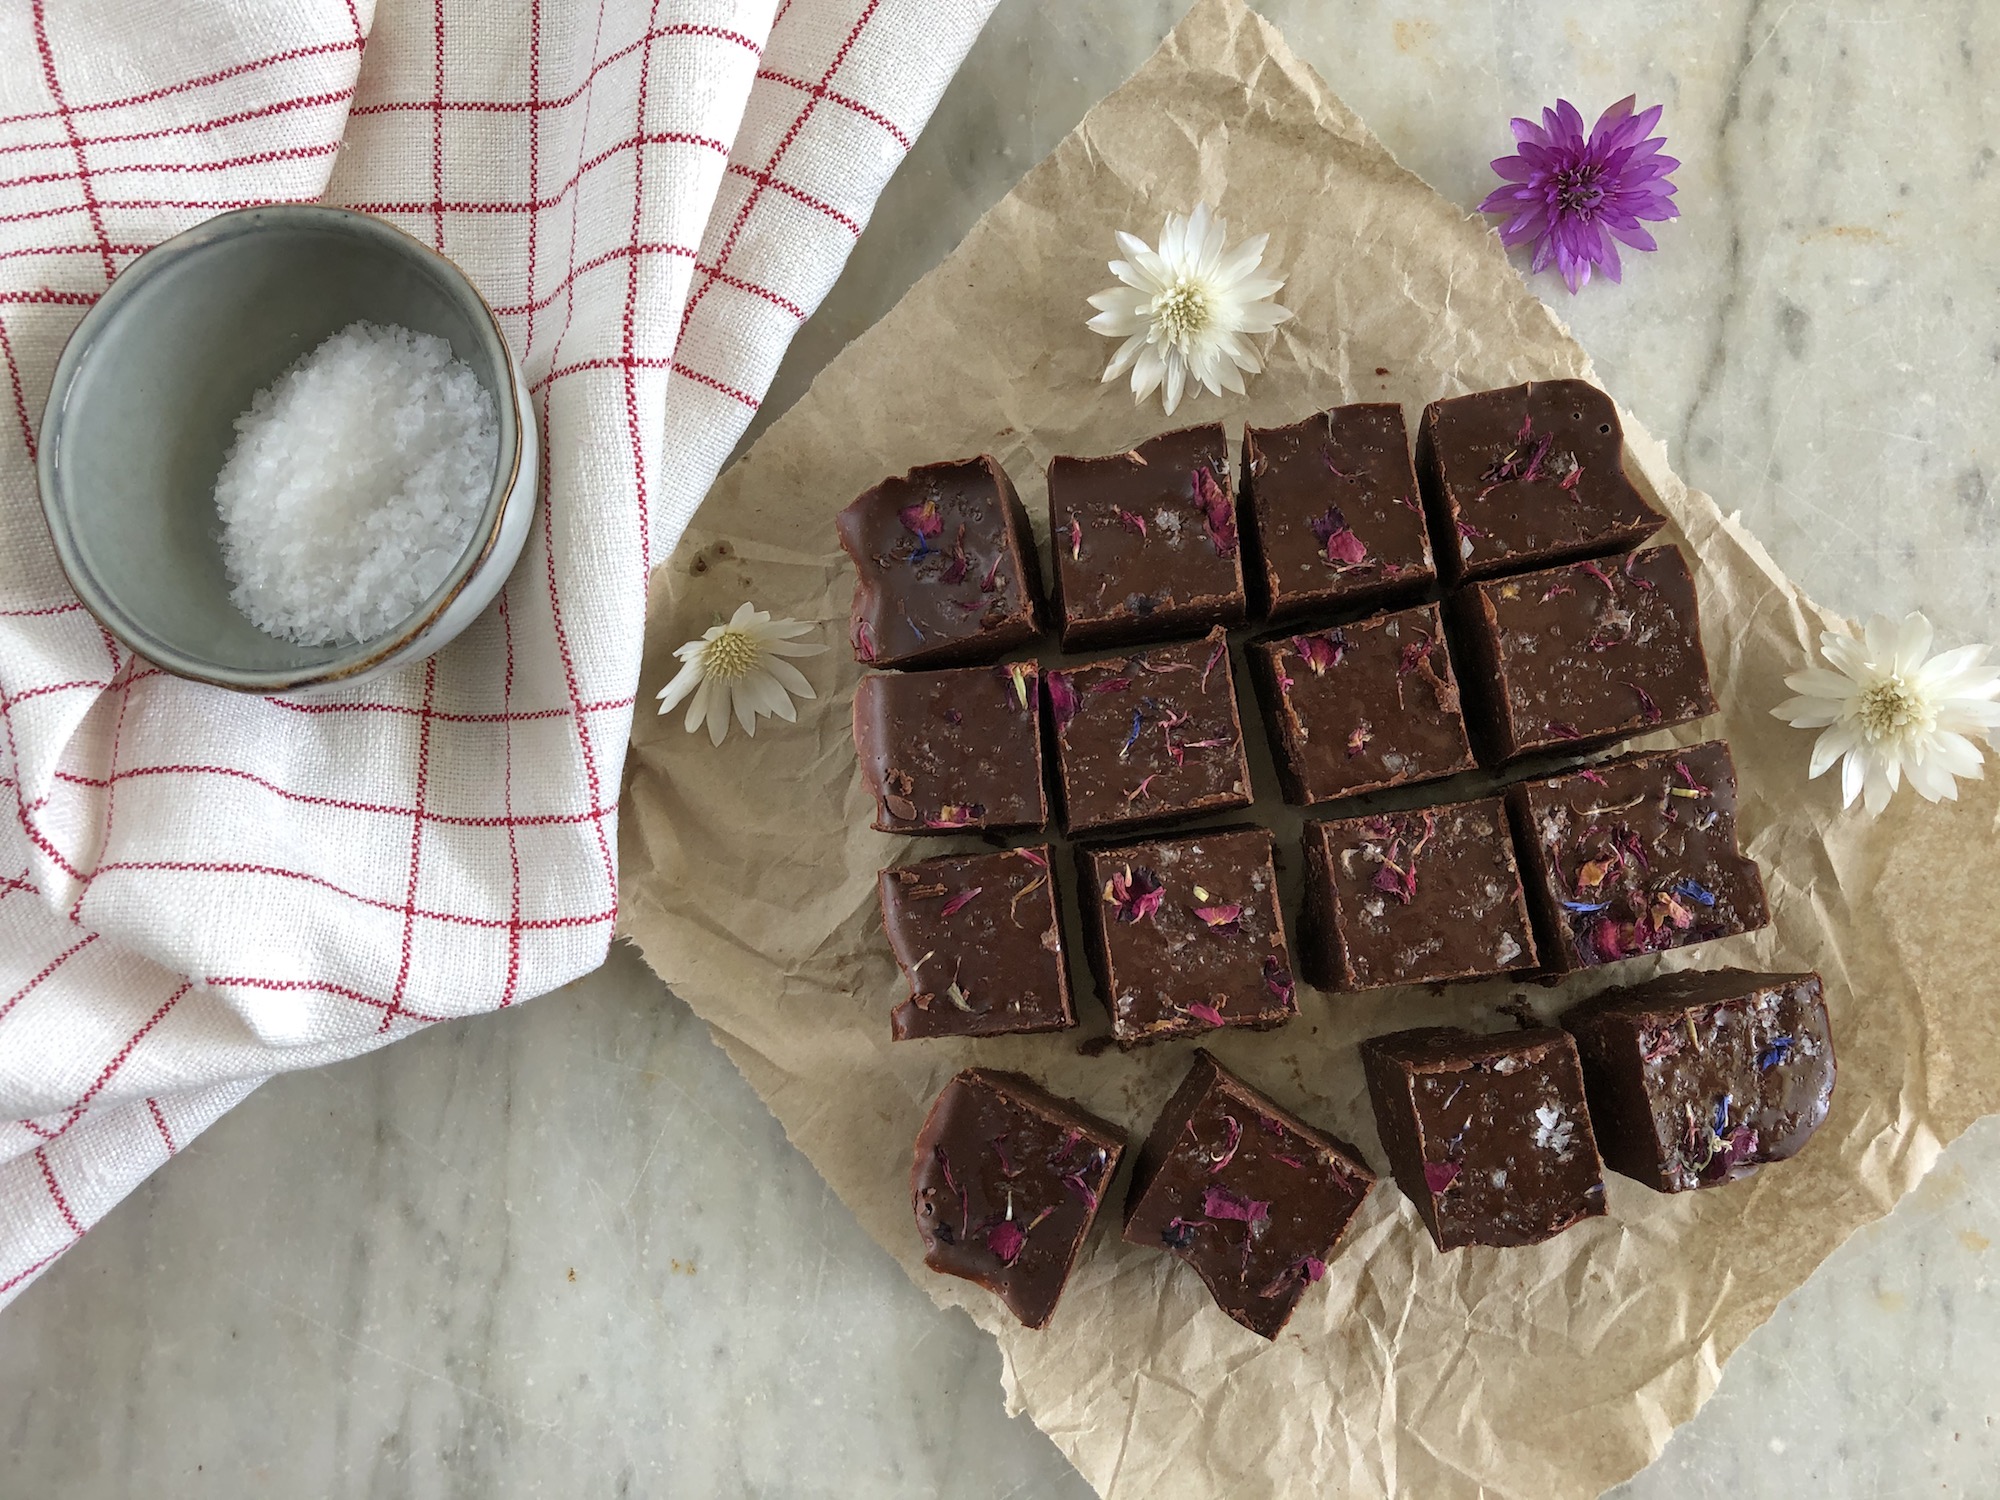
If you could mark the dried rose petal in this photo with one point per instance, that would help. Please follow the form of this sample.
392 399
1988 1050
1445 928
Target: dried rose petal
1136 893
1208 1015
1075 1183
1133 521
957 815
922 521
1221 1203
1342 547
956 571
1217 513
1358 738
1439 1175
959 902
864 641
1227 918
1320 651
1278 980
1231 1140
1111 685
1075 539
1005 1240
1063 699
1394 880
1034 857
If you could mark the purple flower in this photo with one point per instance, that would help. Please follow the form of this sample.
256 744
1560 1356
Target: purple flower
1576 197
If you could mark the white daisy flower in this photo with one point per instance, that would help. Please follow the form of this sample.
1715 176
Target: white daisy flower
740 666
1888 709
1185 309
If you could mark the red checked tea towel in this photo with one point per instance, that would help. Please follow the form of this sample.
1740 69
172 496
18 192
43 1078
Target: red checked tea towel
198 889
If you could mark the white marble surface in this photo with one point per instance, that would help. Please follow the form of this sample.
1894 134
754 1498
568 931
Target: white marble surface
565 1251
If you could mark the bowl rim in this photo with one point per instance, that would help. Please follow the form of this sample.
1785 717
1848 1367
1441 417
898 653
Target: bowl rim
510 411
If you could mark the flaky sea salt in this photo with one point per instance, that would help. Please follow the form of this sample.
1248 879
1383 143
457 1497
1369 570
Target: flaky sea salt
354 484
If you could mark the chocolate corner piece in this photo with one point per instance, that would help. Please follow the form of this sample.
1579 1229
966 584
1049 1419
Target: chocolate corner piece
946 571
979 939
955 751
1006 1181
1146 542
1526 477
1699 1077
1250 1196
1185 935
1488 1135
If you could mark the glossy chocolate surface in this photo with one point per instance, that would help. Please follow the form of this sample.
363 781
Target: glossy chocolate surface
946 752
1635 855
1146 545
945 567
1489 1136
1361 707
1527 476
1332 515
1006 1183
1413 898
1700 1077
980 941
1244 1191
1581 655
1148 737
1185 934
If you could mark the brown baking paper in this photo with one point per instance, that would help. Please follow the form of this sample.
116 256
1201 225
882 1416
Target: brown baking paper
749 871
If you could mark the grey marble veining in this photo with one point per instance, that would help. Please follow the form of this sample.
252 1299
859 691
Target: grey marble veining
565 1252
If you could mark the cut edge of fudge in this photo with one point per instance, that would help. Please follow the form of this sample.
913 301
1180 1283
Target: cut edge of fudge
1207 1076
1031 1305
1021 626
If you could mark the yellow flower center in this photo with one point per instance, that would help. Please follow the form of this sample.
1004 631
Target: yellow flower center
1891 709
1183 310
730 656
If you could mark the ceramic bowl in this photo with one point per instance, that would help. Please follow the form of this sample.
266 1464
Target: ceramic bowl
141 417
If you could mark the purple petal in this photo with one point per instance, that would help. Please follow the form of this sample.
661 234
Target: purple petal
1527 130
1499 201
1633 235
1545 251
1572 122
1513 168
1607 256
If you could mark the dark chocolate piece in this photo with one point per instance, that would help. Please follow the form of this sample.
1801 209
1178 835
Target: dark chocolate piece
1581 655
1148 737
1145 541
1525 477
1245 1192
1488 1135
979 939
945 564
1698 1078
1365 706
1413 898
1635 855
1185 935
947 752
1332 515
1006 1183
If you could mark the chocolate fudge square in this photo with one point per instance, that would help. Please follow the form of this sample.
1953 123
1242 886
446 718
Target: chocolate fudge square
1006 1183
1145 542
1185 935
1578 656
1365 706
948 752
1488 1135
1635 855
1700 1077
945 564
1244 1191
1332 516
1525 477
1147 737
979 939
1413 898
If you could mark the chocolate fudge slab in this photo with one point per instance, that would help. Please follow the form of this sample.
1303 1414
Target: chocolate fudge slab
1413 898
1145 542
1332 516
1578 656
945 565
952 751
1185 935
1698 1078
1488 1135
1244 1191
980 941
1006 1183
1148 737
1527 476
1365 706
1635 855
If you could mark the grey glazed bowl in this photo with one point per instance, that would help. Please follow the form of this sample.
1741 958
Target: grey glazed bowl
141 416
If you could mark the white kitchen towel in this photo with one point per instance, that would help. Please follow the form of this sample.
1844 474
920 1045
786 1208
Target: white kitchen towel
198 888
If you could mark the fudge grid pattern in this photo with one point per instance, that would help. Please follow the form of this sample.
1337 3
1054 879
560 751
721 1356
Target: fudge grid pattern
197 888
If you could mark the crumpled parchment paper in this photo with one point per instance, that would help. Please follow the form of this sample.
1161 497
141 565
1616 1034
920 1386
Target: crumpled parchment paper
749 872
